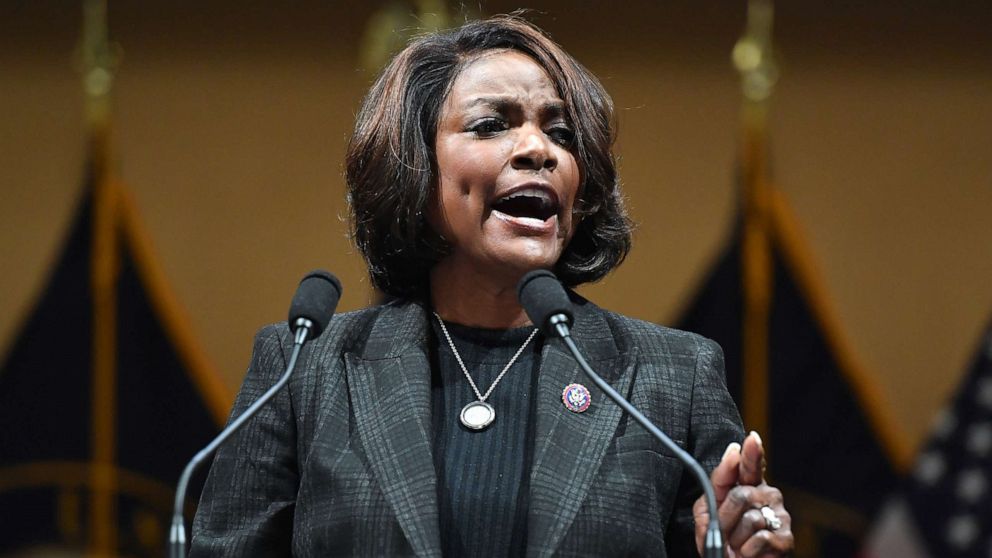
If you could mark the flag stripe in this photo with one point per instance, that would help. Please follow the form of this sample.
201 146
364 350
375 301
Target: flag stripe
896 535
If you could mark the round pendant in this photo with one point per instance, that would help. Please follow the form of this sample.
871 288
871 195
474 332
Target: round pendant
477 415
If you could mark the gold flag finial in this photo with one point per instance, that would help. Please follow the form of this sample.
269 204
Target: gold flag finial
752 55
391 26
98 59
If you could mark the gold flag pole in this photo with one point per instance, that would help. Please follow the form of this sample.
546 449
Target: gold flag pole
752 56
98 63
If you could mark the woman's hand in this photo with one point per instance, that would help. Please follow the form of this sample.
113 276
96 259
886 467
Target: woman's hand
741 494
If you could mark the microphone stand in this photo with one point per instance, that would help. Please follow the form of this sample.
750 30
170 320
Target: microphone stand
177 533
713 545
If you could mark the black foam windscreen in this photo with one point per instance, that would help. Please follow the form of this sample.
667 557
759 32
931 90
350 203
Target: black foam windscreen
542 296
315 299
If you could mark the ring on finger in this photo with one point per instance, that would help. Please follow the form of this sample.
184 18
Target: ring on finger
772 521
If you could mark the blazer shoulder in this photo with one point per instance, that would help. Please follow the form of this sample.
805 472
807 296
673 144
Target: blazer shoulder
344 333
652 339
382 331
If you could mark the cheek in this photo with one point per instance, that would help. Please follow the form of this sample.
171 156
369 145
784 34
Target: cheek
454 197
452 206
573 179
459 180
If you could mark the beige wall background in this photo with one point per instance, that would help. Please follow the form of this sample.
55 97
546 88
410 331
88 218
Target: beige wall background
232 118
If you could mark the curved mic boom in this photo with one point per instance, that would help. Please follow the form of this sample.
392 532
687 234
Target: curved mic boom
310 312
547 305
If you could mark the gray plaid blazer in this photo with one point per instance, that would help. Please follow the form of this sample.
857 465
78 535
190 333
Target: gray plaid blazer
340 464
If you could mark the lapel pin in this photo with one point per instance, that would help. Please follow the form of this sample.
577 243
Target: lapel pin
576 398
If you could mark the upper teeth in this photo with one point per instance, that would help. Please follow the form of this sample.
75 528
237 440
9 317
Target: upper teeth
531 192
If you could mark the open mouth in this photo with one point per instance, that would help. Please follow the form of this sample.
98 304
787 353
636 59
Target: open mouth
531 203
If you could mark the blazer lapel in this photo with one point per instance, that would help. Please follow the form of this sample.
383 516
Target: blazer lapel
389 385
570 446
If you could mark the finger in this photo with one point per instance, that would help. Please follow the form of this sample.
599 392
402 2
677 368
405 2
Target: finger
752 459
751 521
760 544
765 495
701 518
725 475
765 543
751 534
739 500
736 517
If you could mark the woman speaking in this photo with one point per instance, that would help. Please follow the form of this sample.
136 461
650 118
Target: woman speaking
443 423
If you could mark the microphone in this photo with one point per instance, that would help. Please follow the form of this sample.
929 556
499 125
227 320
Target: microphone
314 302
546 303
310 312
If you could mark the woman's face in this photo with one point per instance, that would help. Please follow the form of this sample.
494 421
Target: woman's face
507 181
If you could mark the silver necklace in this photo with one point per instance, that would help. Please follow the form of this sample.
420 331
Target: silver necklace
479 414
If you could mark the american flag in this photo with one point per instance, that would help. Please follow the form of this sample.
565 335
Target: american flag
945 509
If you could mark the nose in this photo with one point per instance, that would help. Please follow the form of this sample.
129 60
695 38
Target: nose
533 151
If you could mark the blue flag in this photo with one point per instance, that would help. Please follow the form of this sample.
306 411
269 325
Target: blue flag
102 402
825 448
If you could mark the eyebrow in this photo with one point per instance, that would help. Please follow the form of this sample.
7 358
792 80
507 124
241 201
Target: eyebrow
503 102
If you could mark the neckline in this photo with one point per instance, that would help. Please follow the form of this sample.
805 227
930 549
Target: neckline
482 335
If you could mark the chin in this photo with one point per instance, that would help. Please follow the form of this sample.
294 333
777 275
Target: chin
532 258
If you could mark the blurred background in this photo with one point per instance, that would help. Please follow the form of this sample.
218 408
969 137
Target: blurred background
230 121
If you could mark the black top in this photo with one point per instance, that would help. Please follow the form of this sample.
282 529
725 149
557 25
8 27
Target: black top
483 475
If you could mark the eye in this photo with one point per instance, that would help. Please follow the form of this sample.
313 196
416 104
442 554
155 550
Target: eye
562 135
488 127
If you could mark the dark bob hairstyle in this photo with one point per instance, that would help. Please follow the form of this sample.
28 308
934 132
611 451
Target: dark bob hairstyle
392 168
